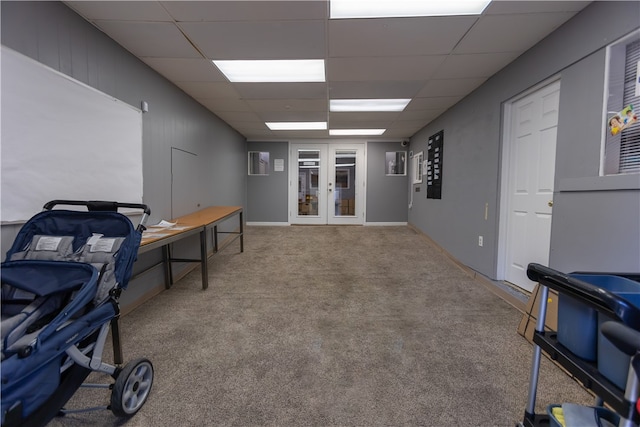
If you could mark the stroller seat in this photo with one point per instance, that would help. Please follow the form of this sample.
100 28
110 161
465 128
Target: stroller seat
20 328
25 313
32 296
59 293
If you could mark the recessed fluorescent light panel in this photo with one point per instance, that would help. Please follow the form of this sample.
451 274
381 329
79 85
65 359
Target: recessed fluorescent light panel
269 71
343 9
342 132
297 125
340 105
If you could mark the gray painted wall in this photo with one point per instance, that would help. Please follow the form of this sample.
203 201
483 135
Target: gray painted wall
54 35
386 195
267 196
605 208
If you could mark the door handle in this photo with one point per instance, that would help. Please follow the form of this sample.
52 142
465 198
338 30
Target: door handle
550 203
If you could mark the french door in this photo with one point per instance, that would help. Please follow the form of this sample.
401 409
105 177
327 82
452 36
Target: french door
326 184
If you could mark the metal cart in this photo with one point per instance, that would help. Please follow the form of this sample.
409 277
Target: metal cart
623 332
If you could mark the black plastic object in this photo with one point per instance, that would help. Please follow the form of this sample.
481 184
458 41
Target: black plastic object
98 205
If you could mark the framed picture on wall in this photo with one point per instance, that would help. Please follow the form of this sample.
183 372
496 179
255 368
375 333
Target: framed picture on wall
395 163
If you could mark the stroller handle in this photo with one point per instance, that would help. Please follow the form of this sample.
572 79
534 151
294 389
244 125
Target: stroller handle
103 206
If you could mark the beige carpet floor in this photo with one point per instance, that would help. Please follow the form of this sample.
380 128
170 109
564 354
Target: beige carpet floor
331 326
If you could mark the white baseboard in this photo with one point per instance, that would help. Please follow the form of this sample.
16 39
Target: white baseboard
386 224
284 224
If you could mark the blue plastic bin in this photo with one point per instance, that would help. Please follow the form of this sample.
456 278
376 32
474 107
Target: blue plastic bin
578 324
612 363
577 327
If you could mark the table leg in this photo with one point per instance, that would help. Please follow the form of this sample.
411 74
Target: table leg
241 233
203 258
166 262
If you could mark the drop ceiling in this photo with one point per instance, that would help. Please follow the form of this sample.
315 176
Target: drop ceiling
435 61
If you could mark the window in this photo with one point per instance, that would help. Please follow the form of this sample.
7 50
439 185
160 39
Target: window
395 163
258 163
343 179
417 166
622 127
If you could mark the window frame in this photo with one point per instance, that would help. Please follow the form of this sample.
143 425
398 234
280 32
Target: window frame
417 161
260 160
395 155
610 152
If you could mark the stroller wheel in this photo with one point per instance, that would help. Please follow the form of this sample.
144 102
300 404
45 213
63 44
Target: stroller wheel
132 388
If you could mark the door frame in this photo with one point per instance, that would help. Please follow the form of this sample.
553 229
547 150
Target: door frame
505 170
359 185
328 149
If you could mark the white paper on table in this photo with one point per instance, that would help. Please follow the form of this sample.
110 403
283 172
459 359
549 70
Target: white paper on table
163 224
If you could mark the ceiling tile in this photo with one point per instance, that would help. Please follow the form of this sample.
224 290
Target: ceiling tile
421 114
203 90
510 33
450 87
474 65
435 61
399 133
238 116
282 90
432 103
293 116
258 40
150 39
374 89
519 6
413 125
186 69
288 104
396 36
120 10
225 104
257 125
261 10
383 68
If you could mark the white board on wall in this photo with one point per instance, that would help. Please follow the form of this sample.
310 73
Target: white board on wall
62 139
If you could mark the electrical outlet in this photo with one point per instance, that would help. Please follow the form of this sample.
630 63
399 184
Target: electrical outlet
480 241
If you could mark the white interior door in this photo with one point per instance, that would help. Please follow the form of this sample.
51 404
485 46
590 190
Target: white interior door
530 151
308 184
346 184
326 184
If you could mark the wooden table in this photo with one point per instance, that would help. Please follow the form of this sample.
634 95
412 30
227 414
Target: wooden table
198 222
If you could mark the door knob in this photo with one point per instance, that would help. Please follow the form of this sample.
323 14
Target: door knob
550 203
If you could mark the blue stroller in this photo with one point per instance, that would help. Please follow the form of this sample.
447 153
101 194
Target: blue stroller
61 282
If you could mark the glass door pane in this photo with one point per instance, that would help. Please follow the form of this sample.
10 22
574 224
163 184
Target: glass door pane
344 193
308 182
